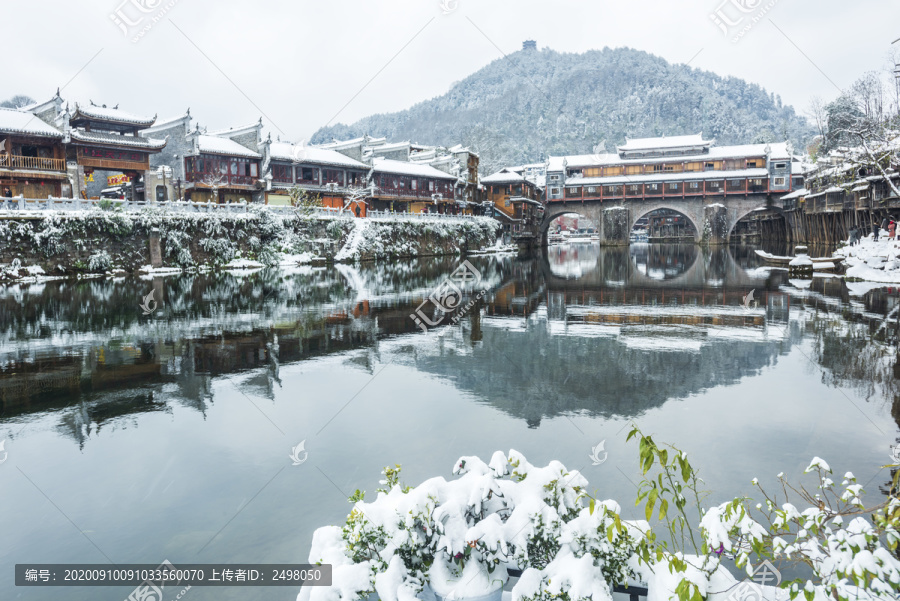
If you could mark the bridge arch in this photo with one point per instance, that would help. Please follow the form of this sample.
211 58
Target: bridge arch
639 210
592 212
740 213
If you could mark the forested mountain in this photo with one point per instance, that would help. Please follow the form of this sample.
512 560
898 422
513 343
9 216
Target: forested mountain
534 103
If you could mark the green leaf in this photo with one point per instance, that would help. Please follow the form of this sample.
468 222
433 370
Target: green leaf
663 508
592 507
651 502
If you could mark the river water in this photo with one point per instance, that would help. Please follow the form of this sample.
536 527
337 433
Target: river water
134 438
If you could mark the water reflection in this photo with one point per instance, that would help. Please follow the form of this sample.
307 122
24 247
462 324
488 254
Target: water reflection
664 261
571 332
107 409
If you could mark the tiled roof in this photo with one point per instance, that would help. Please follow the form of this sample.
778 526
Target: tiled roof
504 177
218 145
664 142
111 114
666 177
285 151
95 137
381 165
778 151
20 122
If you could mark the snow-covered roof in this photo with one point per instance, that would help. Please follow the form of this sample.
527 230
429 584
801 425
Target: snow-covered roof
219 145
664 142
460 148
20 122
103 113
160 124
831 190
285 151
96 137
391 146
795 194
799 168
382 165
236 130
504 176
667 177
364 140
778 151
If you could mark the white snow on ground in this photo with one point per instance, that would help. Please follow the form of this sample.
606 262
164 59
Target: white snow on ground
498 247
242 267
288 260
873 261
351 248
243 264
150 270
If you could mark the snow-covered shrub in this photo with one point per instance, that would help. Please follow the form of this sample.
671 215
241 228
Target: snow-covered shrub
457 537
99 262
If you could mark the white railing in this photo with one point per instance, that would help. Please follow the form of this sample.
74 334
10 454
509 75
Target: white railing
19 203
389 215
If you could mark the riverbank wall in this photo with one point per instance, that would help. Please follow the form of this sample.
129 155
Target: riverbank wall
97 241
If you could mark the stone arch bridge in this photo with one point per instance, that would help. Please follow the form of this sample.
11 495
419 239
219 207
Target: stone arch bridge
614 220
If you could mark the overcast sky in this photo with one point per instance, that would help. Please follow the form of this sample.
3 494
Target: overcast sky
302 64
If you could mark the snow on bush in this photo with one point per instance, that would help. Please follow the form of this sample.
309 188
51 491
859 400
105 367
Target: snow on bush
258 234
99 262
457 538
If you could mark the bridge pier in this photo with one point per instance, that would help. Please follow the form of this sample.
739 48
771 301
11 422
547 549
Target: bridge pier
715 224
615 226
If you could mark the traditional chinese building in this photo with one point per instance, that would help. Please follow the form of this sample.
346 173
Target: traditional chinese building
458 162
516 200
324 173
32 156
676 166
104 142
225 166
411 187
167 177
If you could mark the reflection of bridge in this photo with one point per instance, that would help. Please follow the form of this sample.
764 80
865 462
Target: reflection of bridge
664 266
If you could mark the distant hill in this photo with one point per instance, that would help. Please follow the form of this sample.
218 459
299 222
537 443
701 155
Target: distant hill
537 103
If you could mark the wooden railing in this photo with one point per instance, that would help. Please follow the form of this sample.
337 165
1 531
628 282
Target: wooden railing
19 162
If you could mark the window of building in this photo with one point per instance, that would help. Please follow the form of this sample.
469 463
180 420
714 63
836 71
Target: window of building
592 189
708 166
554 191
779 181
752 164
780 165
694 185
554 177
414 185
282 173
673 186
311 174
